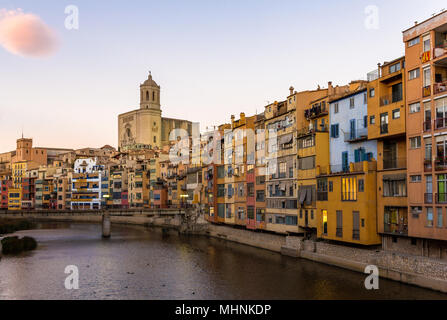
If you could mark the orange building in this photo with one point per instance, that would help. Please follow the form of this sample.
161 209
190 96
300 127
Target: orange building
426 101
387 124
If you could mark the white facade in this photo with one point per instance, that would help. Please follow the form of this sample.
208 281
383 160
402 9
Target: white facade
349 131
87 172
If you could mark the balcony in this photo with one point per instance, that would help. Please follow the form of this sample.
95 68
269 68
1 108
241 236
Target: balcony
426 91
440 87
389 99
441 198
440 50
356 135
428 165
441 164
440 123
394 163
428 198
395 228
317 110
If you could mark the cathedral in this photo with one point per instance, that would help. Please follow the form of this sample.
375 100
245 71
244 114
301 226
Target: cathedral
145 128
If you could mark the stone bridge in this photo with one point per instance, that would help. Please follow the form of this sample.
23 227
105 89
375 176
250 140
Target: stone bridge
189 221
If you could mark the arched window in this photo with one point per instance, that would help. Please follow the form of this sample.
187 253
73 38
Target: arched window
153 95
155 139
147 95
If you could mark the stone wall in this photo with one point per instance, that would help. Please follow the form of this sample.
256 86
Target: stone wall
262 240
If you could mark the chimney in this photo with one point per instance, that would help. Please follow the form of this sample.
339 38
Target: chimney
330 88
291 89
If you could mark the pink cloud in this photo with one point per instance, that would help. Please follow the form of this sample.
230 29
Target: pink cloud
25 34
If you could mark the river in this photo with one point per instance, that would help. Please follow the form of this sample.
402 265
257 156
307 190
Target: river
144 263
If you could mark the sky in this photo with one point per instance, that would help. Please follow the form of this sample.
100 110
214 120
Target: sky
212 58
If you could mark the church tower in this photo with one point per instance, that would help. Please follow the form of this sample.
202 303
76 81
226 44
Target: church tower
150 94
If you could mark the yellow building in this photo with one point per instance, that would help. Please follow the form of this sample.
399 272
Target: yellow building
14 199
350 213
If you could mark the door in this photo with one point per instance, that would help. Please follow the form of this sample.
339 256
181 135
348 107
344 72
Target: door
356 225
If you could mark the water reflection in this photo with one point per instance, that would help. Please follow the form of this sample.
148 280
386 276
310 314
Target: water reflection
144 263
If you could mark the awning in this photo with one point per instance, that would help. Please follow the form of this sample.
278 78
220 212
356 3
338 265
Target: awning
302 195
309 195
285 139
395 177
283 186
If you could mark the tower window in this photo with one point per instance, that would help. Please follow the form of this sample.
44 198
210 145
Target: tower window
155 139
147 95
153 95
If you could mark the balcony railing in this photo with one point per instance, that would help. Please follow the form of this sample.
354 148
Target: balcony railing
440 123
395 228
428 165
441 198
316 111
440 87
441 164
440 51
427 125
356 135
394 163
389 99
426 91
428 198
339 232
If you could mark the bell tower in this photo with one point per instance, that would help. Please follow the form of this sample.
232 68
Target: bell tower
150 94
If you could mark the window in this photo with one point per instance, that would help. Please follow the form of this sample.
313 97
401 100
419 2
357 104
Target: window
395 67
361 185
413 74
415 179
372 93
439 217
349 189
365 98
356 225
396 113
372 120
336 107
426 43
384 123
339 230
429 221
324 215
413 42
394 187
415 107
365 122
351 103
415 142
427 77
335 130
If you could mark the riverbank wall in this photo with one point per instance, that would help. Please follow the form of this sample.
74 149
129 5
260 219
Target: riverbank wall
409 269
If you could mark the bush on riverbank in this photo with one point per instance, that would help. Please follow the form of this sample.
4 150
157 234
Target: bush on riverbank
14 245
11 226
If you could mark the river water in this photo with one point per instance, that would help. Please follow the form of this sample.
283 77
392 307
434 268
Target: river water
144 263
